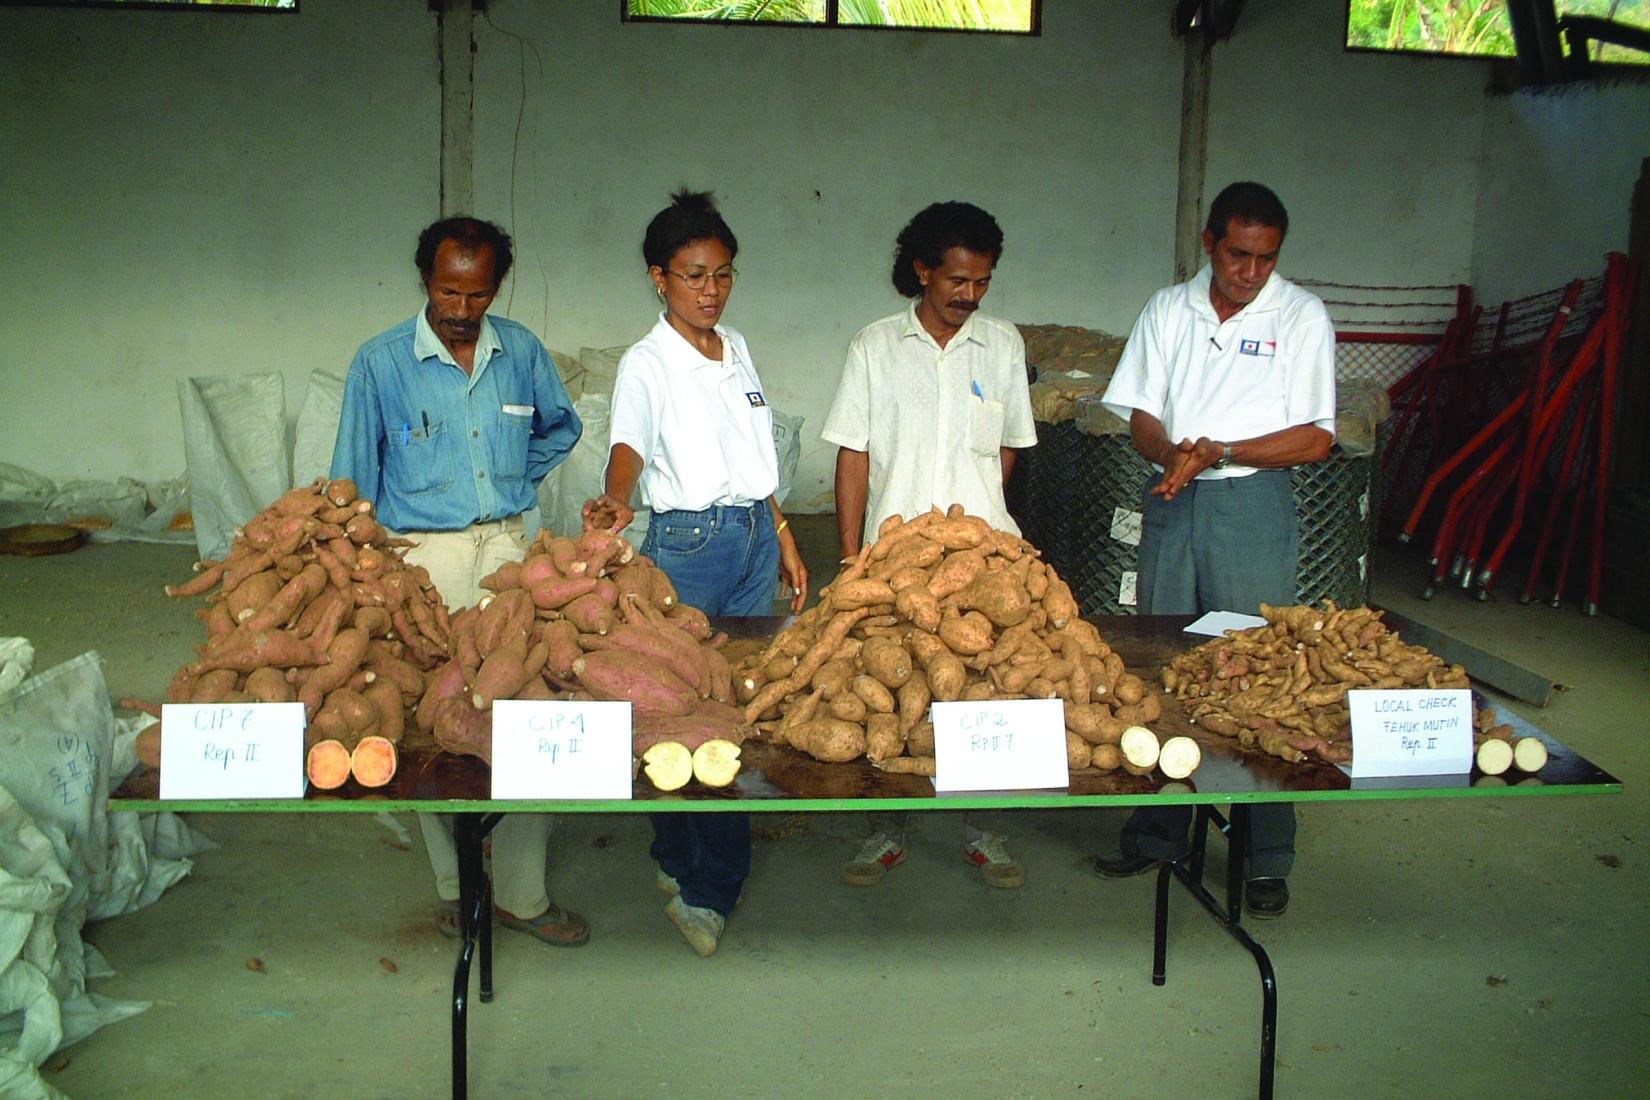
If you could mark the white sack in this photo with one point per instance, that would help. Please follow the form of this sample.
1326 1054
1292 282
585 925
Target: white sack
234 446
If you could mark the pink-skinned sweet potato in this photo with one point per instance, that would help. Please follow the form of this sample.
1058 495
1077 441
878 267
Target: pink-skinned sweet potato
255 649
462 729
652 690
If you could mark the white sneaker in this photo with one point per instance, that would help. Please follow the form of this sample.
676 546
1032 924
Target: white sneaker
666 884
997 867
879 854
701 927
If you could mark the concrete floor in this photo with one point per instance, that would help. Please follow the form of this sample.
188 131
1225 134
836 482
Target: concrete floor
1462 949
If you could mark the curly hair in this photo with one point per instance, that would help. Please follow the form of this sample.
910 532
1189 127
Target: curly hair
1247 203
938 229
691 216
470 234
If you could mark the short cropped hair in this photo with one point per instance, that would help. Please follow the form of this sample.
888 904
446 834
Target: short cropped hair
470 234
936 230
1248 204
691 216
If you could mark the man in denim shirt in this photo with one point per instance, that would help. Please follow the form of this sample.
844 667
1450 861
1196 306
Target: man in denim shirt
450 421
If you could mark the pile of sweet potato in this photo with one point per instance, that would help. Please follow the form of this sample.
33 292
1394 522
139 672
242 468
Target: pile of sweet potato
314 604
1282 687
584 618
939 607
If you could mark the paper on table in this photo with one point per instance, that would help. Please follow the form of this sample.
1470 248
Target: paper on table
1217 623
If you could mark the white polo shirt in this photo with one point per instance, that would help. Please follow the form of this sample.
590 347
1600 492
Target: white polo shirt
1270 366
703 428
933 419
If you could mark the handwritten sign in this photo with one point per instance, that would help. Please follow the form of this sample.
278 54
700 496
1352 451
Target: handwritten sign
1010 745
1418 732
544 750
232 750
1215 624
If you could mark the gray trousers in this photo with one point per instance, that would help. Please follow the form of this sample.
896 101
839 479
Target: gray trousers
1225 545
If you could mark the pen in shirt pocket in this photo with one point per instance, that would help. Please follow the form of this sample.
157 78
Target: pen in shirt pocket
974 385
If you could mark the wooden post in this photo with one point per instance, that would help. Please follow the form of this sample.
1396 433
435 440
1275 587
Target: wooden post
1194 148
454 21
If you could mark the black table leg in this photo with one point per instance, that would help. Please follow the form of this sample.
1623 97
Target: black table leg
475 925
1190 873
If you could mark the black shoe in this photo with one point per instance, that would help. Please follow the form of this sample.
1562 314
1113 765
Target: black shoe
1266 898
1124 866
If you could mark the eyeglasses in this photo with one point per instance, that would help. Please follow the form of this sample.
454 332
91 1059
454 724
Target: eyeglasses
696 280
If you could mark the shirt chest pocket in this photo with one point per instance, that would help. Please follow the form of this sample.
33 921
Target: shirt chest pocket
513 430
413 459
985 426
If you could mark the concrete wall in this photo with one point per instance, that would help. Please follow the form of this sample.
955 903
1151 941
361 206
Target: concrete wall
211 194
199 194
1555 184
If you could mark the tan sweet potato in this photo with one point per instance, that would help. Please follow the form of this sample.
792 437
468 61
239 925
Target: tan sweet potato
847 706
967 634
829 739
999 595
1078 753
1107 758
883 738
947 677
243 653
919 606
833 677
887 661
920 740
956 573
864 592
910 765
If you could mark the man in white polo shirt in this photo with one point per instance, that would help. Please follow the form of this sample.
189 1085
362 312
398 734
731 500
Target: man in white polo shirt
1227 381
933 400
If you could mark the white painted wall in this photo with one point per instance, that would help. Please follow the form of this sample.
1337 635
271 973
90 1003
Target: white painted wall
199 194
208 194
1555 185
1375 156
820 145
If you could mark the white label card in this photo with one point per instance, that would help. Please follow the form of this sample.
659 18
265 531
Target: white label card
1216 623
1008 745
545 750
232 750
1415 732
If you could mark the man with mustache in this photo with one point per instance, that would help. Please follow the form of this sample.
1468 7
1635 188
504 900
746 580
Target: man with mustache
1227 381
450 421
933 400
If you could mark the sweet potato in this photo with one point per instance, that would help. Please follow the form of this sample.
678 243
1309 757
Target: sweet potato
1129 689
917 604
502 673
248 597
444 683
561 591
1179 757
561 638
372 762
269 685
1529 754
716 762
847 706
211 572
462 729
148 745
956 573
1078 753
861 593
327 765
946 677
883 738
590 613
910 765
340 491
829 739
391 705
887 661
651 689
690 730
833 677
874 693
913 701
344 656
1107 758
687 662
213 686
959 533
1140 747
690 619
245 652
667 765
920 740
999 595
967 634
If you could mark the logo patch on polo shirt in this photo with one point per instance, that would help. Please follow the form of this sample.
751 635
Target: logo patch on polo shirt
756 400
1263 348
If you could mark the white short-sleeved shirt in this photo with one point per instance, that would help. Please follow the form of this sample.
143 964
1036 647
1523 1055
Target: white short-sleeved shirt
703 428
1270 366
933 419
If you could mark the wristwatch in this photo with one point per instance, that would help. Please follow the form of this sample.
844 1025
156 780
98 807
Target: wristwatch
1225 458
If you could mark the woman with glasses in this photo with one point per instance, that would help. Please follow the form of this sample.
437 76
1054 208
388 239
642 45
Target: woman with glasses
691 429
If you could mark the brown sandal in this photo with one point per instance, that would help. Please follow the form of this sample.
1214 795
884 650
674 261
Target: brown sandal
555 926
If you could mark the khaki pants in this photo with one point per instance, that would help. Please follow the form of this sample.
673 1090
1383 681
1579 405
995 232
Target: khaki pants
457 560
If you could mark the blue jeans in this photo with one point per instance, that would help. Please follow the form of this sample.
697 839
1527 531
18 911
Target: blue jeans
724 561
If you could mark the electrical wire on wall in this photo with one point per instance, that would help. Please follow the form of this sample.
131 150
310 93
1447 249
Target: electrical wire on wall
522 46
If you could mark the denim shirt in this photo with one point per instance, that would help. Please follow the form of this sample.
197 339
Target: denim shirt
437 450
